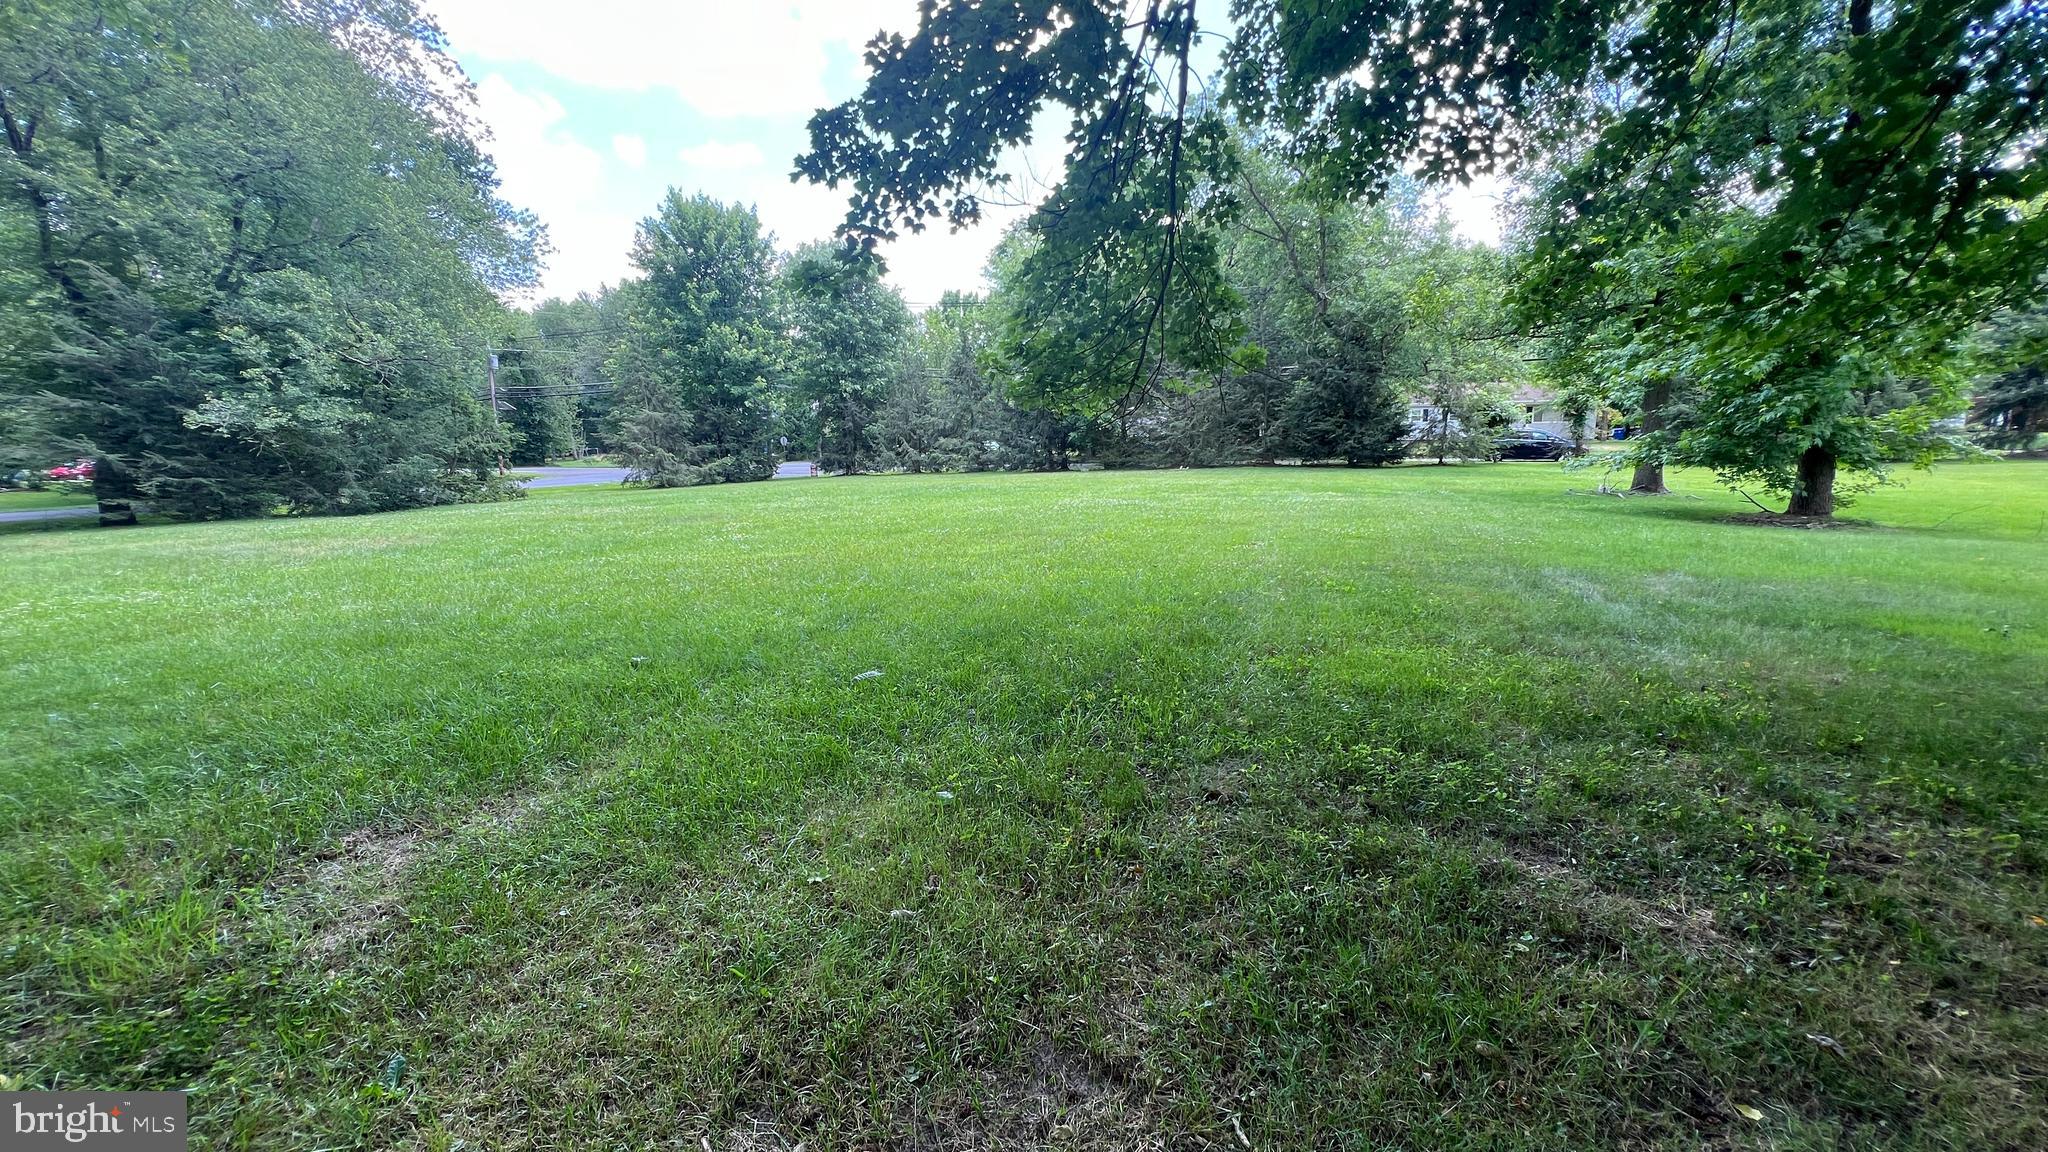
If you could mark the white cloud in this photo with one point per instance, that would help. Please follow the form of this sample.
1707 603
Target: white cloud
766 62
923 265
719 156
546 169
723 59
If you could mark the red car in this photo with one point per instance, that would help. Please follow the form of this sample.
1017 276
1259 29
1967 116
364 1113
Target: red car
80 469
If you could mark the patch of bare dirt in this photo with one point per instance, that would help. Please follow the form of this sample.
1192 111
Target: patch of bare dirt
353 890
504 814
368 853
1689 926
1226 782
1054 1099
1062 1093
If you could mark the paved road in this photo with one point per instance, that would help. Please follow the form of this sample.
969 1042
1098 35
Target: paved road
542 478
48 514
565 477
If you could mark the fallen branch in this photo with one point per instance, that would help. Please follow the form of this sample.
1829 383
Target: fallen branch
1752 500
1953 515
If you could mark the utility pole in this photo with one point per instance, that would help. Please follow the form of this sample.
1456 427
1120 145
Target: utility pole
491 374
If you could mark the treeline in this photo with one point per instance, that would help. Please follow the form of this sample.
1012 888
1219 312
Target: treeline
1357 334
722 356
252 258
246 253
716 369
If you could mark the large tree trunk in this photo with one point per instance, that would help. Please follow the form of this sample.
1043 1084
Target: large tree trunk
1649 477
1814 493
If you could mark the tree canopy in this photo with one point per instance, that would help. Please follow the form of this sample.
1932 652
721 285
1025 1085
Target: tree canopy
249 249
1786 202
1850 191
846 331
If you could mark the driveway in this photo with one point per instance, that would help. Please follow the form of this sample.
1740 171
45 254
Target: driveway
48 514
564 477
541 478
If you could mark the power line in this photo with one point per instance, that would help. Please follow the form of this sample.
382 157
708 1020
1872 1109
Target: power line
549 395
598 331
504 405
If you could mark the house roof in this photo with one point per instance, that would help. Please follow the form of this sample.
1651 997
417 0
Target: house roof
1520 394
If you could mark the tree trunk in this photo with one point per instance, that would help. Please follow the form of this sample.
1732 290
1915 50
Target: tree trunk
1814 492
1055 446
1649 477
112 492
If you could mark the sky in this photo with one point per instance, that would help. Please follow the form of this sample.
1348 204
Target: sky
596 108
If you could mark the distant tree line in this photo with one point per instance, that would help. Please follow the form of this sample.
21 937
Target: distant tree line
2010 402
723 356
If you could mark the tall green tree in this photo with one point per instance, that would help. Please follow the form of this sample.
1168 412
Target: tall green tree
691 405
540 421
1461 351
252 260
1328 303
947 411
846 330
1822 206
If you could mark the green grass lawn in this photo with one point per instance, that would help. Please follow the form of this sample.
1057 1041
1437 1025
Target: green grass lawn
27 501
1420 808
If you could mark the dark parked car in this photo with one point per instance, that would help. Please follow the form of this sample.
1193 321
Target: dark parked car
1534 444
